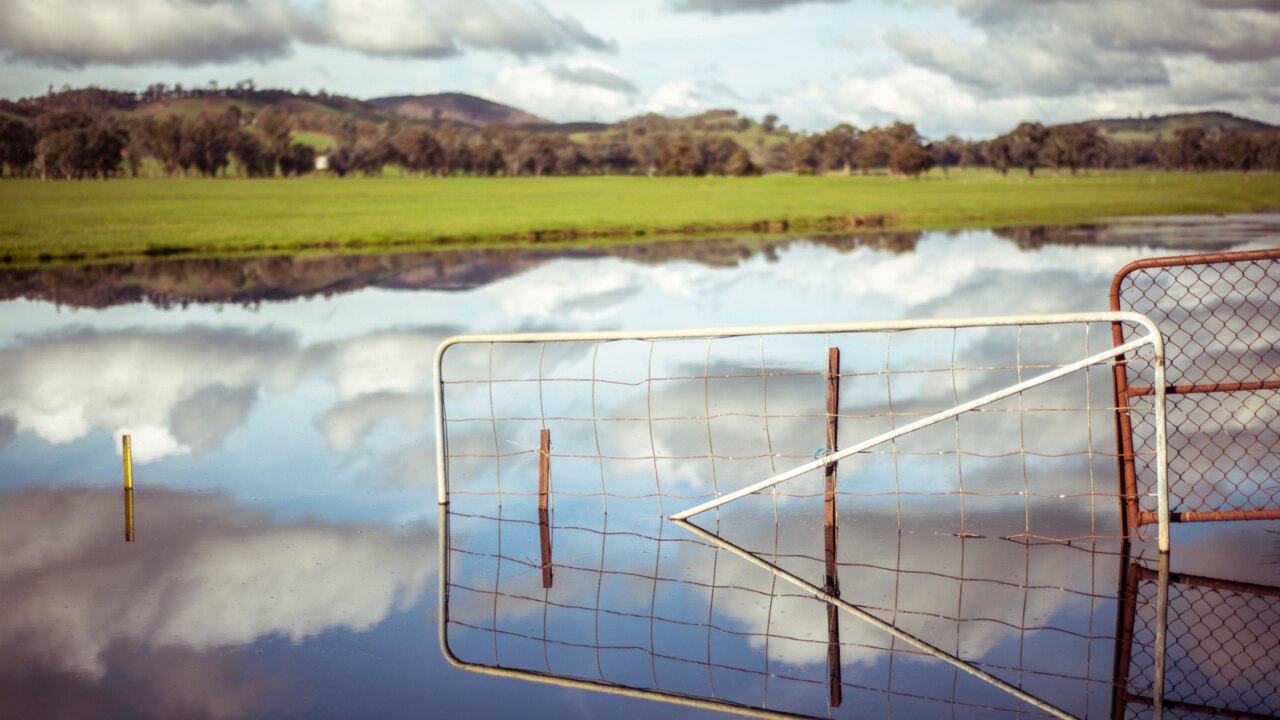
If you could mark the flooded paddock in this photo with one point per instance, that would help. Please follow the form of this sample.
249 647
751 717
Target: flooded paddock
289 557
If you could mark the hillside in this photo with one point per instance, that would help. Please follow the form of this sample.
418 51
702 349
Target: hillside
1164 127
455 107
161 101
319 114
742 130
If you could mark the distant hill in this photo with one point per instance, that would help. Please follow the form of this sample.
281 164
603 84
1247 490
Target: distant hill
456 107
1164 127
319 113
192 102
719 122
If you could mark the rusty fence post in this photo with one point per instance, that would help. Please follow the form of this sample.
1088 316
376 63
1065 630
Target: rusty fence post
834 681
544 491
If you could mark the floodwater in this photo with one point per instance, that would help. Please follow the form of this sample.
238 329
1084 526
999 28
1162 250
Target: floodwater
289 549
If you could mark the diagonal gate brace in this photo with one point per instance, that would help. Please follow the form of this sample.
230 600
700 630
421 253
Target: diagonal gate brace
1152 339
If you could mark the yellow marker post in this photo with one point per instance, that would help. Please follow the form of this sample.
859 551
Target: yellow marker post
128 488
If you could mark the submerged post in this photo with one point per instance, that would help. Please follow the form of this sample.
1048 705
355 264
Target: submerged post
832 581
833 426
544 490
544 534
127 448
835 684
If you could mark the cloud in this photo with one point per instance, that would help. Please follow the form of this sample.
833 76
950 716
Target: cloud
1222 31
1063 48
1054 63
346 424
202 383
582 89
574 90
204 574
196 32
565 293
389 361
684 97
201 420
8 428
147 684
938 104
730 7
594 75
1197 83
176 392
941 104
182 32
412 28
964 596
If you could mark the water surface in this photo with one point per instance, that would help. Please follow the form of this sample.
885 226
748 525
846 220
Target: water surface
287 551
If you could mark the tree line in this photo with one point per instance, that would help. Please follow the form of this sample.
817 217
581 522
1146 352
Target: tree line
69 143
1071 147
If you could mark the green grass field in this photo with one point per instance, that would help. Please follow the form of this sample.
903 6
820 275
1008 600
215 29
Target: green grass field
77 221
318 140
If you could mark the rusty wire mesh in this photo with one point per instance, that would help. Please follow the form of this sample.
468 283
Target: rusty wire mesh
1222 653
994 536
1220 317
637 604
668 423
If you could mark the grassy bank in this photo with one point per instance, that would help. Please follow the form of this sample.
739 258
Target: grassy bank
85 220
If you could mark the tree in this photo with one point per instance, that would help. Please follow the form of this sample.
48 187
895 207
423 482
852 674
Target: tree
740 164
276 127
507 141
972 154
999 154
910 159
418 150
537 155
17 146
62 154
1269 150
947 153
487 158
1073 146
164 142
298 159
105 146
677 158
1237 151
370 154
840 145
610 154
769 124
808 155
251 157
776 157
570 160
1027 142
72 146
208 139
714 154
455 147
878 142
135 149
646 150
1188 151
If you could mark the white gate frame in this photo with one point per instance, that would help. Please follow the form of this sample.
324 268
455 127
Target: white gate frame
1152 338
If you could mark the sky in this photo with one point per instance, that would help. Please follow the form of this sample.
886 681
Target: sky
969 67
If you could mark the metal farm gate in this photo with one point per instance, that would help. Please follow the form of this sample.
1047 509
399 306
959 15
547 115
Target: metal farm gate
1220 317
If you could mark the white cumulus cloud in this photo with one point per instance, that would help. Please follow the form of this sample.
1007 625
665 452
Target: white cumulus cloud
196 32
